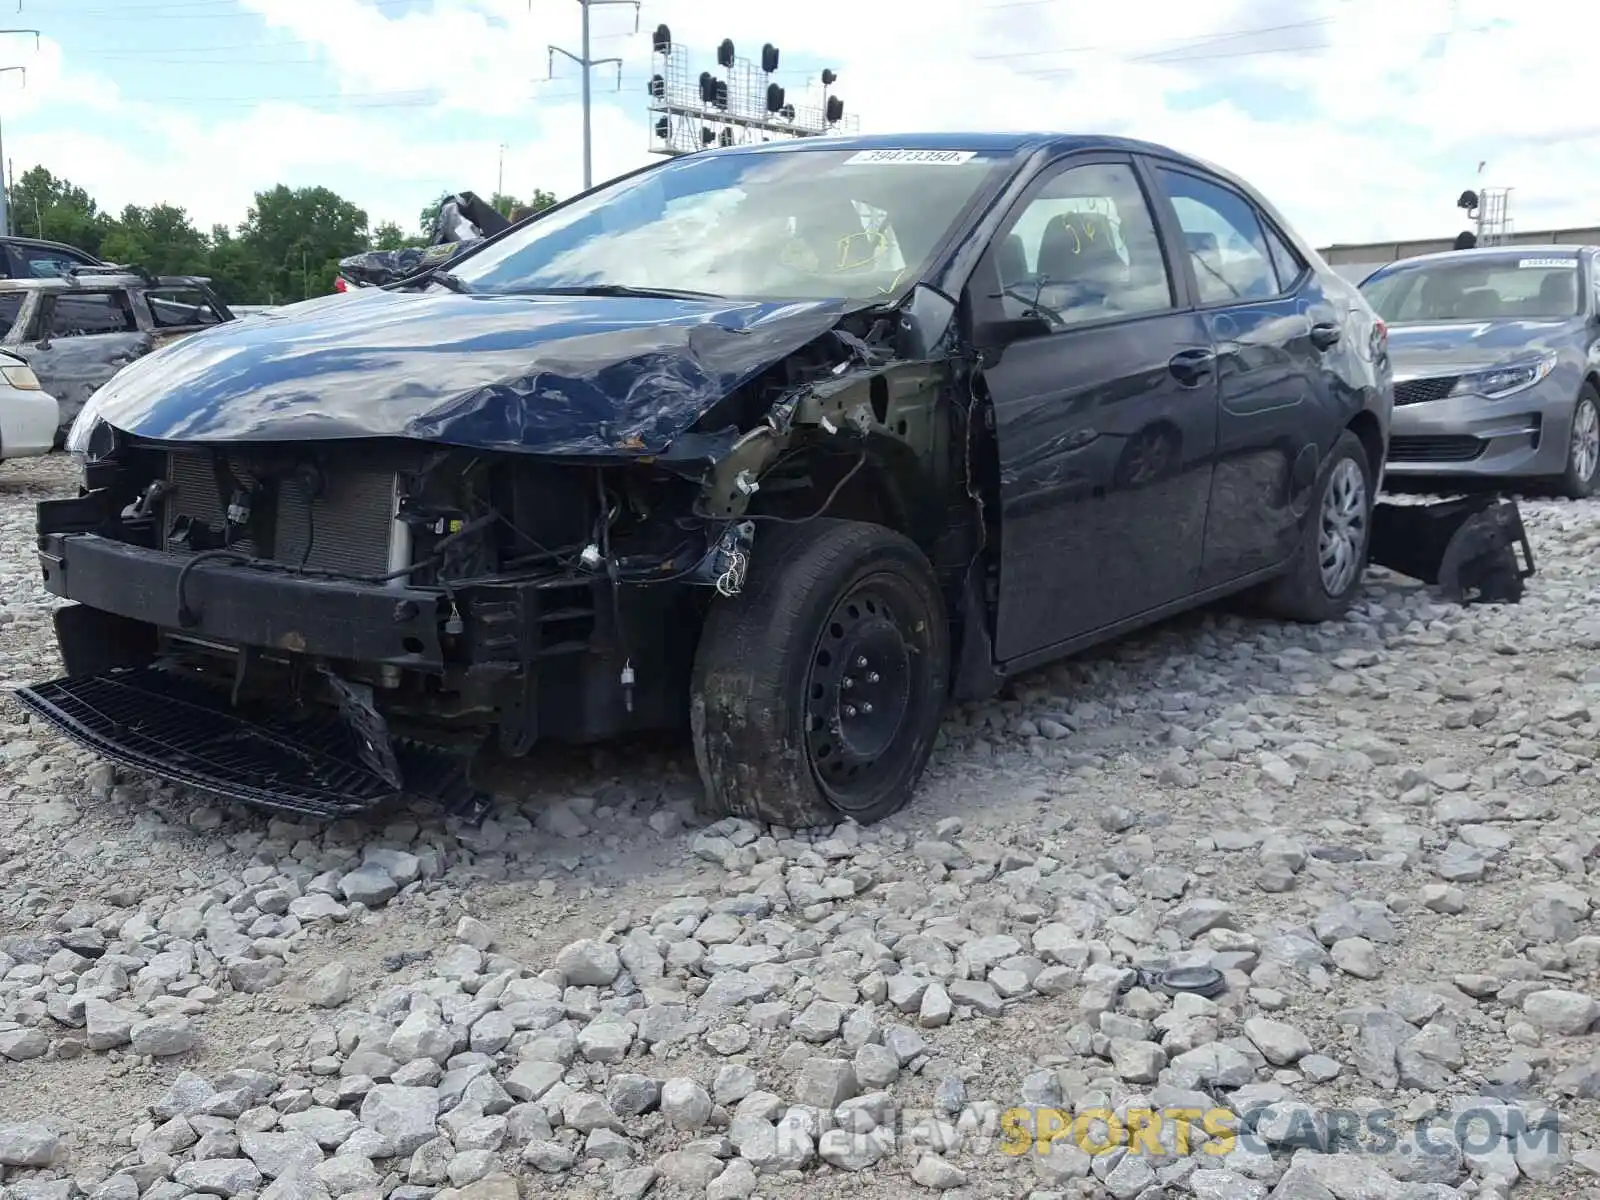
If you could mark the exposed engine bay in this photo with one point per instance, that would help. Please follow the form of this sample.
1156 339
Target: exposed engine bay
413 599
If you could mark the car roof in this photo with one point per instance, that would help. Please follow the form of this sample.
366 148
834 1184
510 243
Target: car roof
104 279
10 239
991 142
1489 254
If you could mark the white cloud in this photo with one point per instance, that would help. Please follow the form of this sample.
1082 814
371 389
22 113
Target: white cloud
1384 117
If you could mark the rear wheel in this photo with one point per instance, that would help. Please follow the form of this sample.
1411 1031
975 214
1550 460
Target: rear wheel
819 688
1326 571
1583 447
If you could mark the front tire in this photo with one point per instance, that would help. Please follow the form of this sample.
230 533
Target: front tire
819 688
1326 571
1578 481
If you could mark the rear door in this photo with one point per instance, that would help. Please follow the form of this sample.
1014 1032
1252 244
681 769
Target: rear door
77 341
1272 325
1106 421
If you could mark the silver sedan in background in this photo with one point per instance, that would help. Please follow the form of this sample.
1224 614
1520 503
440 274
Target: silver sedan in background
1496 356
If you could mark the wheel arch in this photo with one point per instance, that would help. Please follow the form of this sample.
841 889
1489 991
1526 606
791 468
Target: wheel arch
1366 428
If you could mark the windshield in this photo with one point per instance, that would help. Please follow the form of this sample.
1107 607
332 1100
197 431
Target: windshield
790 225
1533 287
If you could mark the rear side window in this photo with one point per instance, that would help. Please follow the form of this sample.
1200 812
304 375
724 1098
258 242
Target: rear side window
33 262
1224 238
175 307
82 316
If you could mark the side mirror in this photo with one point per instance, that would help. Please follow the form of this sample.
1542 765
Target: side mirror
925 324
1003 331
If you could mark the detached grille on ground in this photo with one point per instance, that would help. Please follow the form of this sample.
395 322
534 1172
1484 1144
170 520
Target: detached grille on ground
1420 391
346 529
1451 449
157 721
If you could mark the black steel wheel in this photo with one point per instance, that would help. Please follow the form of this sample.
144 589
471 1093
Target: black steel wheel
819 688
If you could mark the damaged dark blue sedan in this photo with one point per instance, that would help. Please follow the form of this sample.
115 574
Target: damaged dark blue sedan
786 444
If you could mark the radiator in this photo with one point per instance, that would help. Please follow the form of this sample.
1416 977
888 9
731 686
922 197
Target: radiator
348 528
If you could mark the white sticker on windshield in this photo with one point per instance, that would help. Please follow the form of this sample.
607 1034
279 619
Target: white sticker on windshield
943 158
1523 263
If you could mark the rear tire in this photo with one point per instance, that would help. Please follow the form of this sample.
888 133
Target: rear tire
1578 481
819 687
1327 570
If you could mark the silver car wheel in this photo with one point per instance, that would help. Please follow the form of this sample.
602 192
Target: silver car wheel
1343 527
1585 452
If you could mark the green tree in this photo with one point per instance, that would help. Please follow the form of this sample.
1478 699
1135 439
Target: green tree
297 237
43 205
234 272
159 238
389 236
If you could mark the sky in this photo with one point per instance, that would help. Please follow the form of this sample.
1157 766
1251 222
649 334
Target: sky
1360 119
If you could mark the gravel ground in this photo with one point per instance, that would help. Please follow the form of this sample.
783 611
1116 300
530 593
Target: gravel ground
1385 833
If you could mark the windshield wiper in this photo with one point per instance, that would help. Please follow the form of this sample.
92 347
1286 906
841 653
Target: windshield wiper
618 289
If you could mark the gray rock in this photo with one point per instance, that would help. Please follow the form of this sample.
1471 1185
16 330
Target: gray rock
1558 1011
163 1036
405 1116
586 1112
603 1041
22 1045
106 1025
276 1154
28 1144
631 1184
330 986
819 1022
369 885
685 1104
826 1083
632 1095
854 1151
1280 1044
1356 956
936 1174
589 963
550 1157
220 1176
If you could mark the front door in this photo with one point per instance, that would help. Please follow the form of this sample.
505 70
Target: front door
1272 326
1106 421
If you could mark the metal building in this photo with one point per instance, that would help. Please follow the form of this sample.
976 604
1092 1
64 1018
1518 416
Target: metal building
1355 262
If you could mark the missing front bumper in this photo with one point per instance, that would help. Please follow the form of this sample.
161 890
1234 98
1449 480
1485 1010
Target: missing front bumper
309 763
1468 547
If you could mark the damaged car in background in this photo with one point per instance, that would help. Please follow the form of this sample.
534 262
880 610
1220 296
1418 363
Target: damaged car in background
462 221
786 444
79 328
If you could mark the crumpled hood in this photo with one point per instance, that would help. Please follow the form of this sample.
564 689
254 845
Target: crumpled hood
573 375
1452 347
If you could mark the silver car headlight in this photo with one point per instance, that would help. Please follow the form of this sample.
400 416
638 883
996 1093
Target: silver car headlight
1499 382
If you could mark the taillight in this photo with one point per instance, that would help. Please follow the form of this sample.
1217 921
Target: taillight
339 285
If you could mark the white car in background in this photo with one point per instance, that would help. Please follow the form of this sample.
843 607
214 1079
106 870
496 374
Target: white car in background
28 414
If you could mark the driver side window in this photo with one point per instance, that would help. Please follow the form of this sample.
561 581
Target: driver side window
1083 249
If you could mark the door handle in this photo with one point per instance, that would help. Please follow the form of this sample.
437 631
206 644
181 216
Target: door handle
1189 367
1324 335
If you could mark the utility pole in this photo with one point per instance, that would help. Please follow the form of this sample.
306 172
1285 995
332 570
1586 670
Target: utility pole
5 188
585 65
500 173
